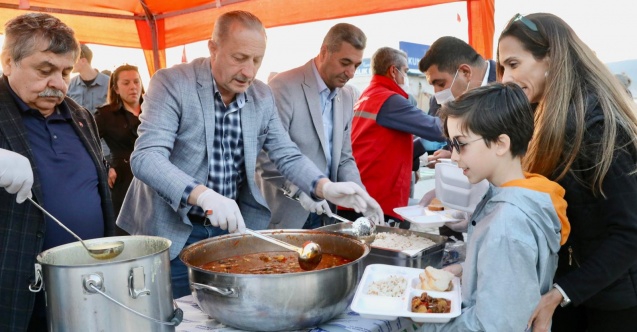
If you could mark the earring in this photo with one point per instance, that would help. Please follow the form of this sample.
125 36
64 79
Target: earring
546 73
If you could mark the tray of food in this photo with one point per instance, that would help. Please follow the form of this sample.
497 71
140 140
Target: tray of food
401 247
425 295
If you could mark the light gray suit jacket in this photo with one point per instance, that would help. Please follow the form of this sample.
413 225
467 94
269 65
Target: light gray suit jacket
174 147
299 105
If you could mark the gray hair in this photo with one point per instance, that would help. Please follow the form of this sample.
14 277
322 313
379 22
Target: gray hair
386 57
344 32
23 34
225 21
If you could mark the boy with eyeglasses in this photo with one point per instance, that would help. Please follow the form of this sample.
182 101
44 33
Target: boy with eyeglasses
516 230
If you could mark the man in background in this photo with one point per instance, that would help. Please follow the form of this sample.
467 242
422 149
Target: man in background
89 87
50 151
382 134
315 107
452 67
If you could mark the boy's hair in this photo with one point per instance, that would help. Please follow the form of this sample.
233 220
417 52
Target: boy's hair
491 111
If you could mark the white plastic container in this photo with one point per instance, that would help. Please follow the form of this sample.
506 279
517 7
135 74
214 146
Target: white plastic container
454 190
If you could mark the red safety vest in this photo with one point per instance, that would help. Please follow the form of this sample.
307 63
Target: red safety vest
383 155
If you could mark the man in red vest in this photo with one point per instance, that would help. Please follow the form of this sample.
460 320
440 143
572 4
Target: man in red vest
382 134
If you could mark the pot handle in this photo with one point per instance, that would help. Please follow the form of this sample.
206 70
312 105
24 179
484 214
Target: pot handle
175 319
227 292
37 285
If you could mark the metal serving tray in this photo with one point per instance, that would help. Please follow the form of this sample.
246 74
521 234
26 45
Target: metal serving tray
431 256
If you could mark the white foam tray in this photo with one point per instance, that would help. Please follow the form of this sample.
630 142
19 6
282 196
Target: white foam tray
422 215
390 308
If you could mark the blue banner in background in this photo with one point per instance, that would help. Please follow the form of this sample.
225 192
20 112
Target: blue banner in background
414 51
365 68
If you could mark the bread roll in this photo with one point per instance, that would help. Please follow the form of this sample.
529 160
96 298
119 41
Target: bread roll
435 205
435 279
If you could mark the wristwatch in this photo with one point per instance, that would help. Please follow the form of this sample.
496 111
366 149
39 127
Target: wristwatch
565 299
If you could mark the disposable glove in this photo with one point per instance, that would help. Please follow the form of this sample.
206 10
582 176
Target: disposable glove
346 194
374 212
427 198
313 206
459 226
16 175
224 211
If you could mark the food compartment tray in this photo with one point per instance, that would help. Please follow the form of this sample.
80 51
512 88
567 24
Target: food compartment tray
390 308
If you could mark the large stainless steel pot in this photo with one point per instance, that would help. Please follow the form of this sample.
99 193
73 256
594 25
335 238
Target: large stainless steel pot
274 302
131 292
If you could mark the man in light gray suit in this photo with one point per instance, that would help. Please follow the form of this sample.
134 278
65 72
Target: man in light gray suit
202 126
316 109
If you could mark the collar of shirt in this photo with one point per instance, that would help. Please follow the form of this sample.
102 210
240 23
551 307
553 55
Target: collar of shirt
61 109
485 79
240 98
325 92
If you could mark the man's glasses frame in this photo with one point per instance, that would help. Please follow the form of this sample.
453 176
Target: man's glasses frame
529 24
457 145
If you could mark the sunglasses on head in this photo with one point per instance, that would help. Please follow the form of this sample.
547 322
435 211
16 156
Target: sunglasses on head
457 145
529 24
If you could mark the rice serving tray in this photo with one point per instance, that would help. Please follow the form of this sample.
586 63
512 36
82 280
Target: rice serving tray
430 256
390 308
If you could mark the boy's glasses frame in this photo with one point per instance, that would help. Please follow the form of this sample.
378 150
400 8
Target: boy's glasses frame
457 145
529 24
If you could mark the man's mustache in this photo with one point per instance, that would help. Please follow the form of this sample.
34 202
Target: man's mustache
50 92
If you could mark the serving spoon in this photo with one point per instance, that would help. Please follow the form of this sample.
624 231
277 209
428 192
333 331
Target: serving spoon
361 227
106 250
309 256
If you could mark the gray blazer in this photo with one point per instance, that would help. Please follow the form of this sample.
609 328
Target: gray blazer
299 105
174 146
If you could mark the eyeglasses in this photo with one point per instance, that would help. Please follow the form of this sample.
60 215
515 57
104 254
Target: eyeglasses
529 24
457 145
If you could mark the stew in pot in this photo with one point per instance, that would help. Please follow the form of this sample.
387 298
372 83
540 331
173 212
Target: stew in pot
274 262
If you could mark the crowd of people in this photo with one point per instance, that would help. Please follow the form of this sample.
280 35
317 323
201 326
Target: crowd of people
210 150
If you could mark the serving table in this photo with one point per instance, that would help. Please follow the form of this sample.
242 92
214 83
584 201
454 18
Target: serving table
195 320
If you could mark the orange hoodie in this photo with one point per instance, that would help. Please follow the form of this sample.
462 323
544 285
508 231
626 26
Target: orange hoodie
539 183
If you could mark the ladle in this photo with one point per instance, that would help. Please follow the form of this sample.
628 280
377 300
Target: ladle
361 227
309 256
105 250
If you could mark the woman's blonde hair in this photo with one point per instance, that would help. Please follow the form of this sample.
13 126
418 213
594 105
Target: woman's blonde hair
574 73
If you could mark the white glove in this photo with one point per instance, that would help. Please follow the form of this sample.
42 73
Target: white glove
16 175
225 211
460 226
427 197
374 212
346 194
313 206
424 159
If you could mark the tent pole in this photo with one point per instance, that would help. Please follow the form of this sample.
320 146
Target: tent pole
150 19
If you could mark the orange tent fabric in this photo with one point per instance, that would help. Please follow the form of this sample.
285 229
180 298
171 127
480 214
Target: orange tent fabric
154 25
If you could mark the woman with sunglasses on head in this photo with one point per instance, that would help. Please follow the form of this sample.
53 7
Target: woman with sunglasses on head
117 122
585 139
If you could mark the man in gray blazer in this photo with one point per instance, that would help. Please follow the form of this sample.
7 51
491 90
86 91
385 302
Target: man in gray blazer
202 126
316 109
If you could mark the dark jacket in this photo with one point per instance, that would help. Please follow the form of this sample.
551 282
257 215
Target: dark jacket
603 242
22 225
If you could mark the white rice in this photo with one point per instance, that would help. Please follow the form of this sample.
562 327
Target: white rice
393 286
401 242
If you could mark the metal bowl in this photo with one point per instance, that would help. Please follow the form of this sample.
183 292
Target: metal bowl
274 302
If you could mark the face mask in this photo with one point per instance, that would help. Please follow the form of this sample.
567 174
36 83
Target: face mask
405 85
445 96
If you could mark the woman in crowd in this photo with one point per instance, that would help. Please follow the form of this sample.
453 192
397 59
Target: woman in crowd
585 139
117 122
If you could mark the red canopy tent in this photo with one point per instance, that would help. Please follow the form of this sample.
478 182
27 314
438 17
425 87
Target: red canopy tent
154 25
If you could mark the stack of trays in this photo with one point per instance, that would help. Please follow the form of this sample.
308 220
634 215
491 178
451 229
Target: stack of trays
391 307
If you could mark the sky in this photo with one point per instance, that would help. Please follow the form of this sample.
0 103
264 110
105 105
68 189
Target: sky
609 28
